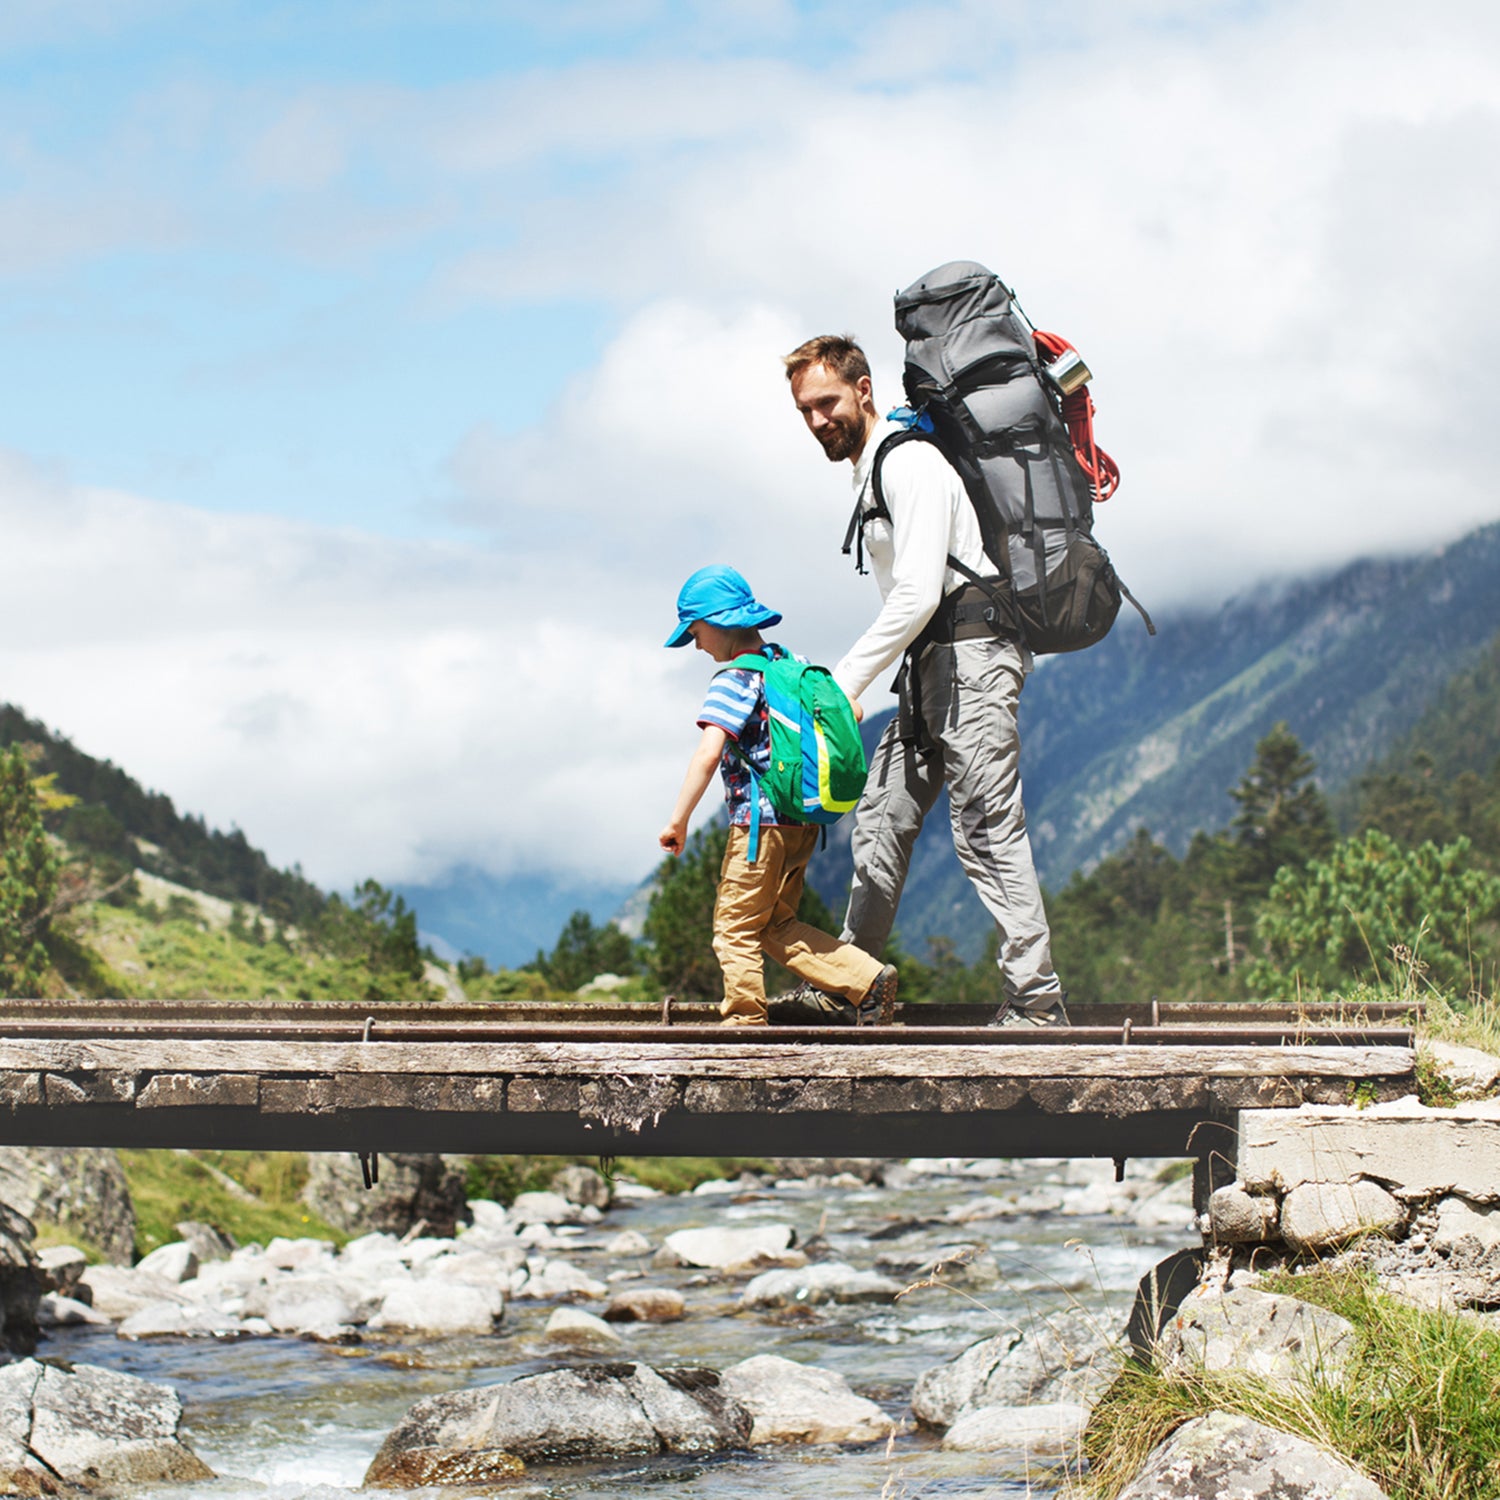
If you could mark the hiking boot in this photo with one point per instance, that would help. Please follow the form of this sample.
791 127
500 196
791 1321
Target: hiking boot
807 1006
1015 1016
879 1003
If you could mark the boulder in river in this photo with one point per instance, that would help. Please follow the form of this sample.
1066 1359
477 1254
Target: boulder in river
718 1247
1066 1357
88 1428
581 1185
1051 1431
792 1403
646 1304
576 1329
439 1306
591 1413
829 1281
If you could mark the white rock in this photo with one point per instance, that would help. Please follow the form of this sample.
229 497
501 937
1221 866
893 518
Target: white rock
1469 1069
577 1329
1052 1431
298 1255
794 1403
719 1247
53 1310
1170 1207
1264 1334
1324 1215
559 1278
626 1191
1236 1217
629 1242
117 1292
475 1270
440 1307
177 1262
829 1281
1459 1219
312 1306
489 1215
172 1320
543 1208
1224 1455
63 1266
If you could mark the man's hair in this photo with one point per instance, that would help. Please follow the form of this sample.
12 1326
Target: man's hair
836 352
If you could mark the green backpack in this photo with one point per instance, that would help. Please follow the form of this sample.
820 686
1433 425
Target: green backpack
817 769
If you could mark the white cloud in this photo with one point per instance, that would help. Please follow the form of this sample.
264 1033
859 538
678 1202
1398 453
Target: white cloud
359 705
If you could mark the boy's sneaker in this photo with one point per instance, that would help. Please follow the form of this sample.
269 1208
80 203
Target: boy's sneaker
1015 1016
879 1003
806 1006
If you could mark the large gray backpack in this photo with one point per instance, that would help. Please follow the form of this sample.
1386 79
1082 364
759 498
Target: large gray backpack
981 390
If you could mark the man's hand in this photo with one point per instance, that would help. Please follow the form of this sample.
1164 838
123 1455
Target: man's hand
859 710
673 838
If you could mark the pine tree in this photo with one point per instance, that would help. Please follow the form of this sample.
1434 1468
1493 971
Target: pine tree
1283 817
28 879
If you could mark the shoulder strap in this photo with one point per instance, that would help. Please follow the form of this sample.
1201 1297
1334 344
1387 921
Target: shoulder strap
854 537
751 661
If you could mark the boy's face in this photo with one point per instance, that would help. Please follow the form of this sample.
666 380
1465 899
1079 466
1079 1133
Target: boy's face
713 639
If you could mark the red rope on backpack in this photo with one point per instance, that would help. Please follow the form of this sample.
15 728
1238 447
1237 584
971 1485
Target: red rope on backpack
1078 412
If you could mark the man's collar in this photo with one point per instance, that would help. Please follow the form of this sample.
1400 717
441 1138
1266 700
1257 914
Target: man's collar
878 433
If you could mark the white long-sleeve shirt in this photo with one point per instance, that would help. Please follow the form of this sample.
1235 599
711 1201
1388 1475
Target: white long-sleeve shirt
931 517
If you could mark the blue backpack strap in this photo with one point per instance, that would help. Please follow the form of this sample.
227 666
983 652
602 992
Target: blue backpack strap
752 848
753 661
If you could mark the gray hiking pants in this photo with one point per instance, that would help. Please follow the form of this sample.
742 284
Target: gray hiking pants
968 697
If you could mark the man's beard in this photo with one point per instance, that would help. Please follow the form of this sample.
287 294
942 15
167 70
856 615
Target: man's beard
841 440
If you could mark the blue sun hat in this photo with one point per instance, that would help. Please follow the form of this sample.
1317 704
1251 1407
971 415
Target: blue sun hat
720 596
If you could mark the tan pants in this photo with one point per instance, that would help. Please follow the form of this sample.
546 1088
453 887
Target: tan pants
756 912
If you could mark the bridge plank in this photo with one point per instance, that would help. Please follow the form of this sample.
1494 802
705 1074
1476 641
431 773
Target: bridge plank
81 1068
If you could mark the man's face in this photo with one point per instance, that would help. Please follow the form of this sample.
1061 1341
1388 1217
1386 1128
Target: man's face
836 413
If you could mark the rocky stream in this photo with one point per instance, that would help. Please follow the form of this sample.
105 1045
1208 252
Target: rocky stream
798 1336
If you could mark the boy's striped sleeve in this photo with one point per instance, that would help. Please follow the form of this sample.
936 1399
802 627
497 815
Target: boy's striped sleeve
731 700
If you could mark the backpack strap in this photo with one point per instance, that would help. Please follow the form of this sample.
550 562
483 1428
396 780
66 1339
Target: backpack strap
855 535
752 661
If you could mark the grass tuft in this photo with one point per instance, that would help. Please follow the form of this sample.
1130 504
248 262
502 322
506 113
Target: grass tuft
1418 1408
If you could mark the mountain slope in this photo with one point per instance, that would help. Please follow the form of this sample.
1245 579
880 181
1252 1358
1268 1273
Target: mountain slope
1152 732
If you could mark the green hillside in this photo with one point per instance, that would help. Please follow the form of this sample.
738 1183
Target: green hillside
121 825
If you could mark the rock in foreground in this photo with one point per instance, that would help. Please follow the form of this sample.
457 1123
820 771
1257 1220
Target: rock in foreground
88 1428
792 1403
1232 1456
580 1415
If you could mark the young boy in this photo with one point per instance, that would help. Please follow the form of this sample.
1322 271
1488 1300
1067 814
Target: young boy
756 909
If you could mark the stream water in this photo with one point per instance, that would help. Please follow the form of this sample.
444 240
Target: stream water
282 1419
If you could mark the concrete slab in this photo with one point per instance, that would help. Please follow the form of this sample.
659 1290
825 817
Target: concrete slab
1404 1145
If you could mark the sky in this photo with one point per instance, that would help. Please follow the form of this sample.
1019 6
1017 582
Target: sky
373 372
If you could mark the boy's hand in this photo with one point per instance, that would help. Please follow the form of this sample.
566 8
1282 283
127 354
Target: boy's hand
673 838
859 710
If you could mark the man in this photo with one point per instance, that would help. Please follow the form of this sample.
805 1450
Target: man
960 683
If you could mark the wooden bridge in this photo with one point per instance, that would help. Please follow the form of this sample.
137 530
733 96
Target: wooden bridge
600 1078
